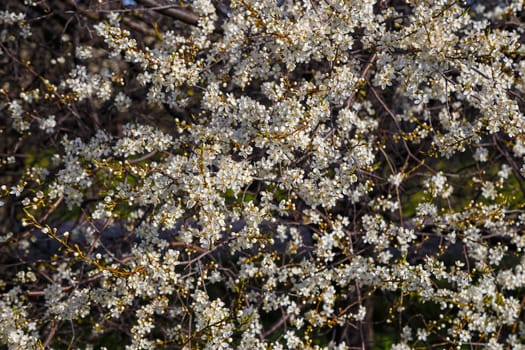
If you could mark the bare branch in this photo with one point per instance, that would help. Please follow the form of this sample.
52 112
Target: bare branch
180 14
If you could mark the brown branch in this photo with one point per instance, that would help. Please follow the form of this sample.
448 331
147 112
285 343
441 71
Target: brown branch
52 330
142 158
39 293
515 167
138 26
276 325
280 322
362 77
180 14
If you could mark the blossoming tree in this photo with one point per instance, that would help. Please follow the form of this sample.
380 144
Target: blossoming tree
270 174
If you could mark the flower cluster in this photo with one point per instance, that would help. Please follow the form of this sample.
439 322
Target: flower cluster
262 174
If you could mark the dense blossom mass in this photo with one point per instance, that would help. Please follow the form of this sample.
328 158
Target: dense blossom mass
279 174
